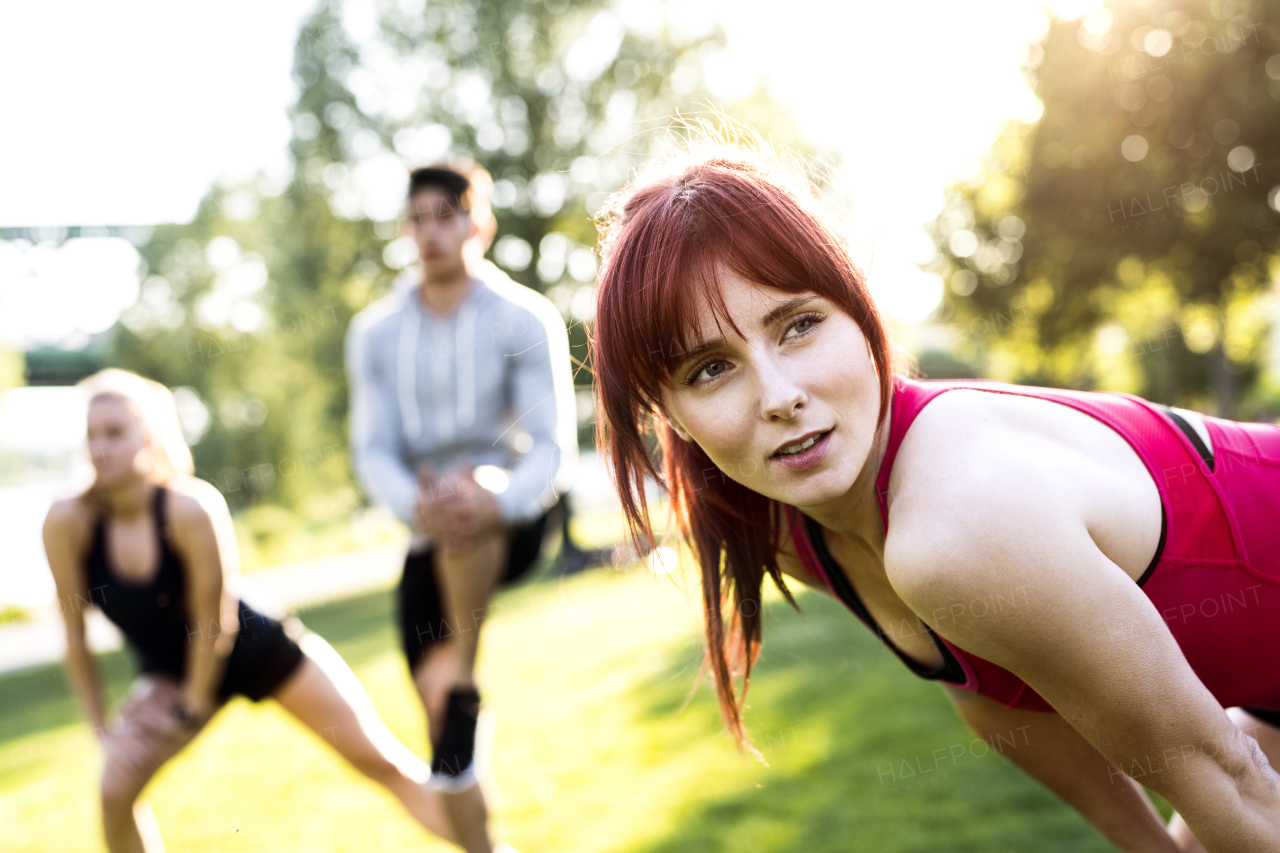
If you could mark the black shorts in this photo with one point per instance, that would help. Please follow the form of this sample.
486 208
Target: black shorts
264 655
418 596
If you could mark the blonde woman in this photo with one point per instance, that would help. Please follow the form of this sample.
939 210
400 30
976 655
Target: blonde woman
153 547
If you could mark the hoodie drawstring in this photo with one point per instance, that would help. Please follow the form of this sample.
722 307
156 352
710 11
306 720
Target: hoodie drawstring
464 371
408 372
466 365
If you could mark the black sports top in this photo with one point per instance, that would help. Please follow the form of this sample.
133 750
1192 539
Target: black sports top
151 614
153 617
950 668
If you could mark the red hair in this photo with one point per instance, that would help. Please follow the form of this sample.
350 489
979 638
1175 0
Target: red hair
664 238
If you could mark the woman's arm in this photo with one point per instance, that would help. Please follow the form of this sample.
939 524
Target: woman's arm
212 609
1086 639
1055 754
64 530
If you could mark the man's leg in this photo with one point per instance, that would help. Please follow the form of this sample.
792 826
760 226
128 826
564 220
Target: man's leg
463 582
467 580
433 677
426 635
445 675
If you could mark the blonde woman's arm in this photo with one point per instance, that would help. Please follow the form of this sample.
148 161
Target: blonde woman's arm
66 530
208 559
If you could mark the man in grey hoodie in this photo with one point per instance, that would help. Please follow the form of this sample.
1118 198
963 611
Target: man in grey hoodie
463 424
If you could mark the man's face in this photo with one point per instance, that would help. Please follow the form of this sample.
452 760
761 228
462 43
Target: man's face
441 228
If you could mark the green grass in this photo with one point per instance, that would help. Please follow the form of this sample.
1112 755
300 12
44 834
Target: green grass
268 535
595 747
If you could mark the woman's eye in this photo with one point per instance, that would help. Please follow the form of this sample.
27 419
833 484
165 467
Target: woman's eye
803 325
710 369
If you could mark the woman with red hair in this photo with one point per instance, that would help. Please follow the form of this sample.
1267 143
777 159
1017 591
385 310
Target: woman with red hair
1129 549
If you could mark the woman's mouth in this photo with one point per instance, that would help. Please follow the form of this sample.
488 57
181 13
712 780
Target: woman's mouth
805 454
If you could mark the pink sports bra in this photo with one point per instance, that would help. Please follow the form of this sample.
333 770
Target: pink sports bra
1215 578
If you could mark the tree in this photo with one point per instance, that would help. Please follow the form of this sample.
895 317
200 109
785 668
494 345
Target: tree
558 99
1126 239
249 303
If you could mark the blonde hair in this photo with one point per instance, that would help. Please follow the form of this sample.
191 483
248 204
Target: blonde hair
152 404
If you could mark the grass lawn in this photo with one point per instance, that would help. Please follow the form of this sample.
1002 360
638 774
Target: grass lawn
595 749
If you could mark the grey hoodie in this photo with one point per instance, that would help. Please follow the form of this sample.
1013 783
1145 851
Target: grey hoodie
492 382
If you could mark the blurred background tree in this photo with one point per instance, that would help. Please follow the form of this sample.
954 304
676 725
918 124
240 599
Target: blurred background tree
1128 239
246 307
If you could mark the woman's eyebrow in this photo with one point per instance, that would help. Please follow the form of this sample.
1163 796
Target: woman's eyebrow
784 309
769 319
693 352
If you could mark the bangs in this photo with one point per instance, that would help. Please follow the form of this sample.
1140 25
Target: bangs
673 242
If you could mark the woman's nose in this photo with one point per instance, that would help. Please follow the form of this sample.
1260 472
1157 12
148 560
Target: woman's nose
781 395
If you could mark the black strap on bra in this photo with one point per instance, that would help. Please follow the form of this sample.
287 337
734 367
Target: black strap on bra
1205 454
162 521
1164 532
950 669
1198 443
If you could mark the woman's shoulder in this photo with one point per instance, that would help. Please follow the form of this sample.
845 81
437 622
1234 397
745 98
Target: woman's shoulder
971 434
70 517
977 467
973 461
961 433
192 500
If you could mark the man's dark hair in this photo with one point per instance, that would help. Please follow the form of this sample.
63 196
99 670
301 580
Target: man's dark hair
441 178
467 183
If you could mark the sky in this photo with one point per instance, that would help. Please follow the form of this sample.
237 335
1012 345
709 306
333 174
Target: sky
129 111
125 112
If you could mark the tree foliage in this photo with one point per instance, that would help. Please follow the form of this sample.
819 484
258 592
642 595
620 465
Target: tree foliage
1128 239
246 307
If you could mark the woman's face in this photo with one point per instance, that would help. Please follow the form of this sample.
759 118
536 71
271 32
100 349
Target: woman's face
803 370
118 446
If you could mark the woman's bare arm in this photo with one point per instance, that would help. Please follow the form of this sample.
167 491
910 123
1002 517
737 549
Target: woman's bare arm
1052 752
212 610
1086 639
65 530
